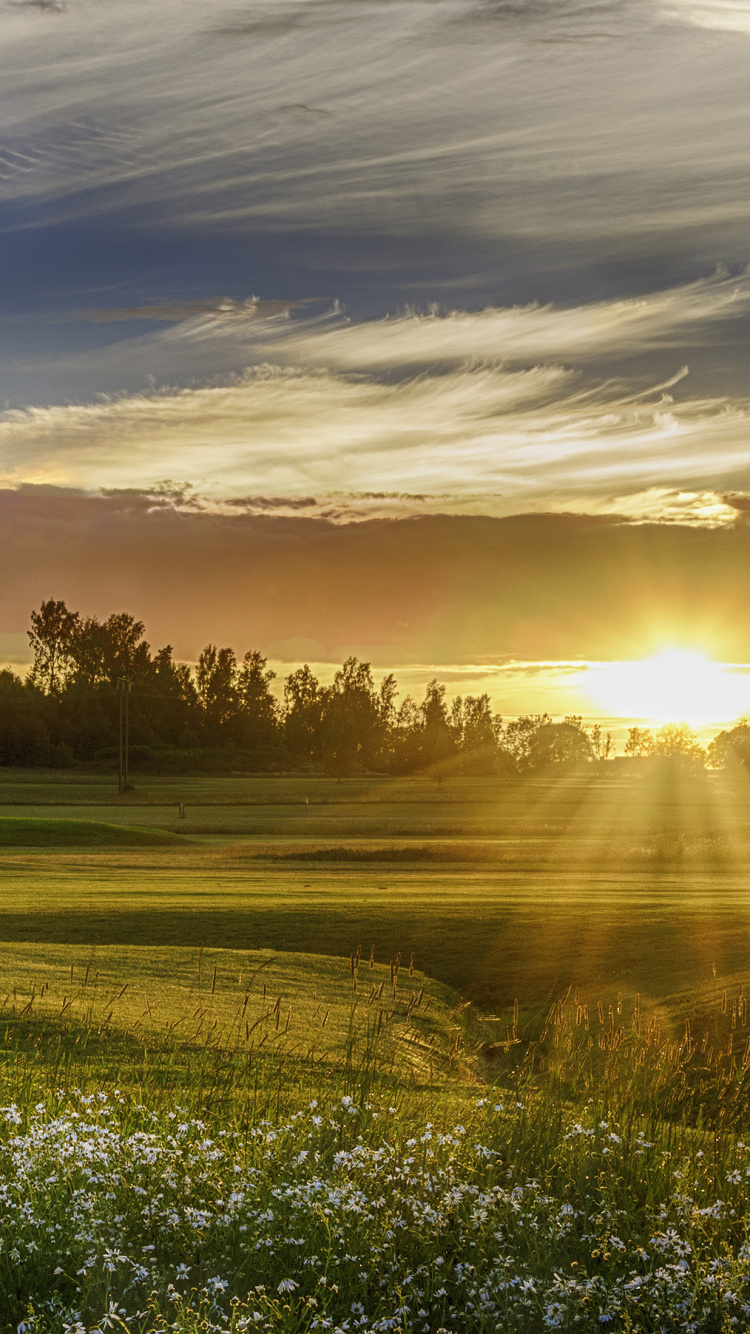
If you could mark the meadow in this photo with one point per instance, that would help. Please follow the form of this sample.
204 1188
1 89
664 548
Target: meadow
375 1054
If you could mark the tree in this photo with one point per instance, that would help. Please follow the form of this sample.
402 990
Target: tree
52 632
476 731
437 738
352 717
602 743
172 678
639 743
258 708
303 702
104 652
518 738
560 745
216 681
677 742
674 742
731 749
11 685
406 736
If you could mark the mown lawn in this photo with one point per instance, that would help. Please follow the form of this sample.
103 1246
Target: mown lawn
493 934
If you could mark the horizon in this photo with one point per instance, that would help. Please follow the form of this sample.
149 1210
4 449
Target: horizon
681 686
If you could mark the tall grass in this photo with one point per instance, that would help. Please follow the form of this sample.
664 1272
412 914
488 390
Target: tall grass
691 1064
579 1169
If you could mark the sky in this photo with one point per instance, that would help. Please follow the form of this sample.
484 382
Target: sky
416 329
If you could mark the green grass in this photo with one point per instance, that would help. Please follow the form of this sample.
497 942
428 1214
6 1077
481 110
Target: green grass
302 1007
492 934
647 822
35 832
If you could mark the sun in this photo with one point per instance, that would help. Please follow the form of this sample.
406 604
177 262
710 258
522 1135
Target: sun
678 685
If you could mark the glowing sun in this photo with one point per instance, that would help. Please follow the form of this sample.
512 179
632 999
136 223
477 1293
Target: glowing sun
678 685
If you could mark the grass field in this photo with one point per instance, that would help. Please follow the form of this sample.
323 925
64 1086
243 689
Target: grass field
503 966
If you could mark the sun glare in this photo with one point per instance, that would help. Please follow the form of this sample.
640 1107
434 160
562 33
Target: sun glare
679 685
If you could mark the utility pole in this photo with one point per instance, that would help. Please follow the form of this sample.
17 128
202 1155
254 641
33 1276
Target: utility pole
123 689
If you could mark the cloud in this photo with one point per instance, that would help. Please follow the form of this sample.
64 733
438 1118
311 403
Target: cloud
677 317
682 321
434 413
549 123
46 6
219 308
721 15
482 439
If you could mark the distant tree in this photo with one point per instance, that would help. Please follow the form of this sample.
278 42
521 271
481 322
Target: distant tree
303 703
438 742
387 701
103 652
406 736
518 739
53 628
731 749
166 704
217 686
639 743
353 730
257 706
560 745
172 678
677 742
24 717
476 730
602 743
11 685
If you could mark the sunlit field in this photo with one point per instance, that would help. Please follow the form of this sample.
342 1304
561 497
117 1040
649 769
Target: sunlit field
375 1054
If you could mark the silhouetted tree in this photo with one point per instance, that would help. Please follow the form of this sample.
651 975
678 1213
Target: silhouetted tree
559 745
438 742
53 628
352 718
66 711
218 693
103 652
731 749
675 743
678 743
257 707
639 742
303 711
476 732
406 737
602 743
518 739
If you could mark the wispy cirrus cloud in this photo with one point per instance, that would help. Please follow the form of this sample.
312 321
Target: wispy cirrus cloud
431 123
478 418
481 440
721 15
679 317
221 308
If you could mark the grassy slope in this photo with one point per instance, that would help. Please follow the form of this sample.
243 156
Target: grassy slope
35 832
289 1004
494 936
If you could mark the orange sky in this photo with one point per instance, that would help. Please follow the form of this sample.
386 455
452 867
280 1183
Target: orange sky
454 596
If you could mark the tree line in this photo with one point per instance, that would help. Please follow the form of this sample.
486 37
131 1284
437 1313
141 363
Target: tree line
223 714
